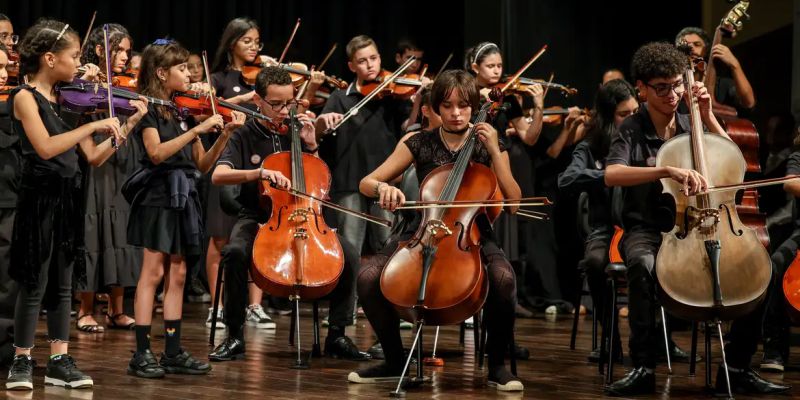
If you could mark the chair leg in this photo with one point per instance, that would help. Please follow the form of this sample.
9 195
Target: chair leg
594 328
477 327
576 305
513 357
315 348
693 360
708 355
612 327
461 333
292 326
666 340
604 334
215 306
482 344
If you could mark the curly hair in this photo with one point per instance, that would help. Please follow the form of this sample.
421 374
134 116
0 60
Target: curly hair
657 60
156 56
46 35
271 76
116 33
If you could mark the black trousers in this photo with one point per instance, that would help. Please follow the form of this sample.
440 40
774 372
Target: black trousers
237 258
498 310
640 248
776 319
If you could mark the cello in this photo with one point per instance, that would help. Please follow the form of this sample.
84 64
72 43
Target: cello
710 266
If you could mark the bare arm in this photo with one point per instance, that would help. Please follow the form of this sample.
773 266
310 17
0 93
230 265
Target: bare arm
505 179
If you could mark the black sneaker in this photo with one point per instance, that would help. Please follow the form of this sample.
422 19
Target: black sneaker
62 371
184 363
20 376
772 361
145 365
375 374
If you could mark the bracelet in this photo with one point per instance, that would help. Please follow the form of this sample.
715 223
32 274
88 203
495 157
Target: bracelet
312 150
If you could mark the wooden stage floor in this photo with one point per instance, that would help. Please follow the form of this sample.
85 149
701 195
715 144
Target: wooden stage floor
553 372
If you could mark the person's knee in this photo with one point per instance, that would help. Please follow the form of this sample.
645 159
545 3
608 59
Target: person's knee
368 281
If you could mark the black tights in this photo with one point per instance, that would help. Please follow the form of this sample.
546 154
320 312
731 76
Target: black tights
498 310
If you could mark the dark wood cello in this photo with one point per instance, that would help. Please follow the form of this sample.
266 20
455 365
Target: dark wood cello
740 130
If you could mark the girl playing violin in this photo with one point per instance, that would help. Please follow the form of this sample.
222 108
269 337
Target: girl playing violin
9 187
110 260
195 65
47 224
454 96
238 47
165 215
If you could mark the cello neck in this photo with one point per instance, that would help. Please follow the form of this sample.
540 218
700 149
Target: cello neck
298 174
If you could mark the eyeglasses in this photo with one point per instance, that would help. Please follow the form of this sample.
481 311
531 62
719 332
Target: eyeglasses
14 38
663 89
278 106
250 42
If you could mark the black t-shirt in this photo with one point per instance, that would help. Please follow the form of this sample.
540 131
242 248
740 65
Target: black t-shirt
168 129
64 164
636 144
229 84
365 141
246 150
587 174
9 160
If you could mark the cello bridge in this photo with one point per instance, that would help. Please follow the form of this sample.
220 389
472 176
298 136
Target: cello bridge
704 219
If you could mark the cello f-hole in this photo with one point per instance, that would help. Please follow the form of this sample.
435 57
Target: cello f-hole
279 219
737 232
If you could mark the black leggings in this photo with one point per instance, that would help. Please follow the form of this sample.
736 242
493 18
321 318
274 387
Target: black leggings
498 310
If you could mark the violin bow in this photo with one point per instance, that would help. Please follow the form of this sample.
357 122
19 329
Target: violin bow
353 111
334 206
444 65
289 42
88 31
547 86
109 89
327 57
212 97
523 69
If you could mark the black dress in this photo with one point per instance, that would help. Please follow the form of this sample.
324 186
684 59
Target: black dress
165 208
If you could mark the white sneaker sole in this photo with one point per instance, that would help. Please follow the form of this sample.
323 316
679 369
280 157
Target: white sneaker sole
263 325
81 384
220 325
19 385
511 386
772 367
354 377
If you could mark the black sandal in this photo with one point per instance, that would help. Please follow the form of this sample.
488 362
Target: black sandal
112 322
96 328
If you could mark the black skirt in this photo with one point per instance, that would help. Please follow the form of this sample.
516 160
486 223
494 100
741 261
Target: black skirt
163 229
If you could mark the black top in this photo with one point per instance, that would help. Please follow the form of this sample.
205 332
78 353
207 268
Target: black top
246 150
636 144
64 164
229 84
725 93
430 152
508 110
587 174
365 141
168 129
9 160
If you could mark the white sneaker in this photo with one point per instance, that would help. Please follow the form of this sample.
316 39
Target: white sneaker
220 318
258 318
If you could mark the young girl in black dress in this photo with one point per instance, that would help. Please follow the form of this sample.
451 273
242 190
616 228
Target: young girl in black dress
46 224
165 214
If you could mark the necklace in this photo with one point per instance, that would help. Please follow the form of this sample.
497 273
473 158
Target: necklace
447 145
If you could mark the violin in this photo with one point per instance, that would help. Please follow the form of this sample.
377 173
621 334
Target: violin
710 266
196 103
555 115
402 87
13 65
5 91
521 85
86 97
298 71
452 285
